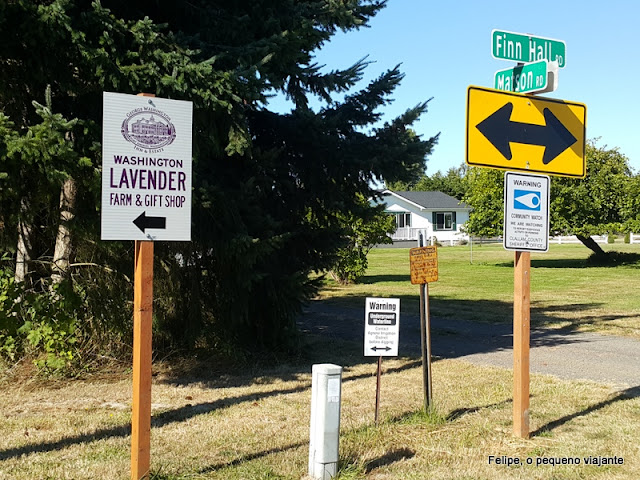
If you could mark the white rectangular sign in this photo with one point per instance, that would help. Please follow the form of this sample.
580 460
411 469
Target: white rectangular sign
526 212
146 168
381 327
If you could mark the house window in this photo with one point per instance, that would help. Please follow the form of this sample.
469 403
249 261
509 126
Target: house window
403 220
444 221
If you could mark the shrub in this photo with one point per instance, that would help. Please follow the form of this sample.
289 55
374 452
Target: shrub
42 324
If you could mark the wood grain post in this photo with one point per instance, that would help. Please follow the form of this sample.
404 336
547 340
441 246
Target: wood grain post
142 320
521 334
142 330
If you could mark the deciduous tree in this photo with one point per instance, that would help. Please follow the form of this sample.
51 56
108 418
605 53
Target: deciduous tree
581 207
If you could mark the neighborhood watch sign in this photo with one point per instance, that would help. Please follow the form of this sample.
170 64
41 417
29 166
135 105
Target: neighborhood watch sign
146 168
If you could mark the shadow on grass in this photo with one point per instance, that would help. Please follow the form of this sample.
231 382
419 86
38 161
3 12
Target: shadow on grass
389 458
373 279
252 456
627 394
461 412
609 259
182 414
335 329
487 326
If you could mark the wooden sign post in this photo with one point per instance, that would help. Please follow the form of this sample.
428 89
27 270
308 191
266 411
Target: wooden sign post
560 127
423 262
142 351
521 331
142 321
155 209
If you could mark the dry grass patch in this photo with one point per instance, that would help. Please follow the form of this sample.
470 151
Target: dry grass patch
256 426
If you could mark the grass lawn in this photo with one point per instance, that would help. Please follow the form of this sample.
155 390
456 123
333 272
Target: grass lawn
478 285
252 422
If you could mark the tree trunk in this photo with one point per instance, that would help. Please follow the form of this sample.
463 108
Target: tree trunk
23 254
591 244
62 252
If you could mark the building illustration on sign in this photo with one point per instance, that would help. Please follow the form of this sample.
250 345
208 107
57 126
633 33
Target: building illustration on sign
145 132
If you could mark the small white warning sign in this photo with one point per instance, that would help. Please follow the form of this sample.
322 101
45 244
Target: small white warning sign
381 327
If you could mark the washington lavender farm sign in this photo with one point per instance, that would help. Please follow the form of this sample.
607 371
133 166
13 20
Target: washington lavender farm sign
146 168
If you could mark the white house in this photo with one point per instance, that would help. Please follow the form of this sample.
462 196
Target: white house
438 215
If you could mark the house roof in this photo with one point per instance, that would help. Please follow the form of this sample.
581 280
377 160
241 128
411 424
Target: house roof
430 200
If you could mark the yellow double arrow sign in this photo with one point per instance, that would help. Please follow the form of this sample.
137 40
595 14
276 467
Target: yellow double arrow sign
512 131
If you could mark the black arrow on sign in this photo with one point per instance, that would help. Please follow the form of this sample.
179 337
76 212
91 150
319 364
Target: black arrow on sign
500 130
143 222
375 349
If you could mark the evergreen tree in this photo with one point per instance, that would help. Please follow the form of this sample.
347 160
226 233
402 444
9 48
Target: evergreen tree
270 191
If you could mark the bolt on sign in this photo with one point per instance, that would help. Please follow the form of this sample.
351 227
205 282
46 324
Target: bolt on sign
423 262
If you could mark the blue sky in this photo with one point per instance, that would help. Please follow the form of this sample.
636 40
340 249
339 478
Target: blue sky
445 46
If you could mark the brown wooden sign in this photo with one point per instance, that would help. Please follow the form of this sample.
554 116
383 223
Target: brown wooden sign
423 262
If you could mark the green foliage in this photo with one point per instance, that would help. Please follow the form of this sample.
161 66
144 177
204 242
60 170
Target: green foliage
600 203
368 228
43 325
631 208
591 205
273 194
430 416
485 196
452 183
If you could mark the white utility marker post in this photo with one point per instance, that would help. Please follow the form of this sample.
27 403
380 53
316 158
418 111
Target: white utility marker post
326 386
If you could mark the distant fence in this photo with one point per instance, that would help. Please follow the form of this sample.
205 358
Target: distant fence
573 239
561 239
485 240
633 238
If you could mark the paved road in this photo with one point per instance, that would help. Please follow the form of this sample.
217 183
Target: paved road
564 354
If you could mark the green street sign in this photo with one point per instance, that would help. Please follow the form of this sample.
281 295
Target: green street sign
531 77
524 48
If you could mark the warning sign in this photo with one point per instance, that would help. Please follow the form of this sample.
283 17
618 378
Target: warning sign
381 327
526 212
423 262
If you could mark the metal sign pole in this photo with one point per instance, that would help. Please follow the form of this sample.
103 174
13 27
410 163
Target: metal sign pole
427 349
425 337
378 389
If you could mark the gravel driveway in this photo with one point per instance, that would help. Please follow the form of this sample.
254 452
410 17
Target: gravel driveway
569 355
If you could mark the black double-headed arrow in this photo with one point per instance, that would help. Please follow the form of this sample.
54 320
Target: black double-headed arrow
143 222
375 349
500 131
